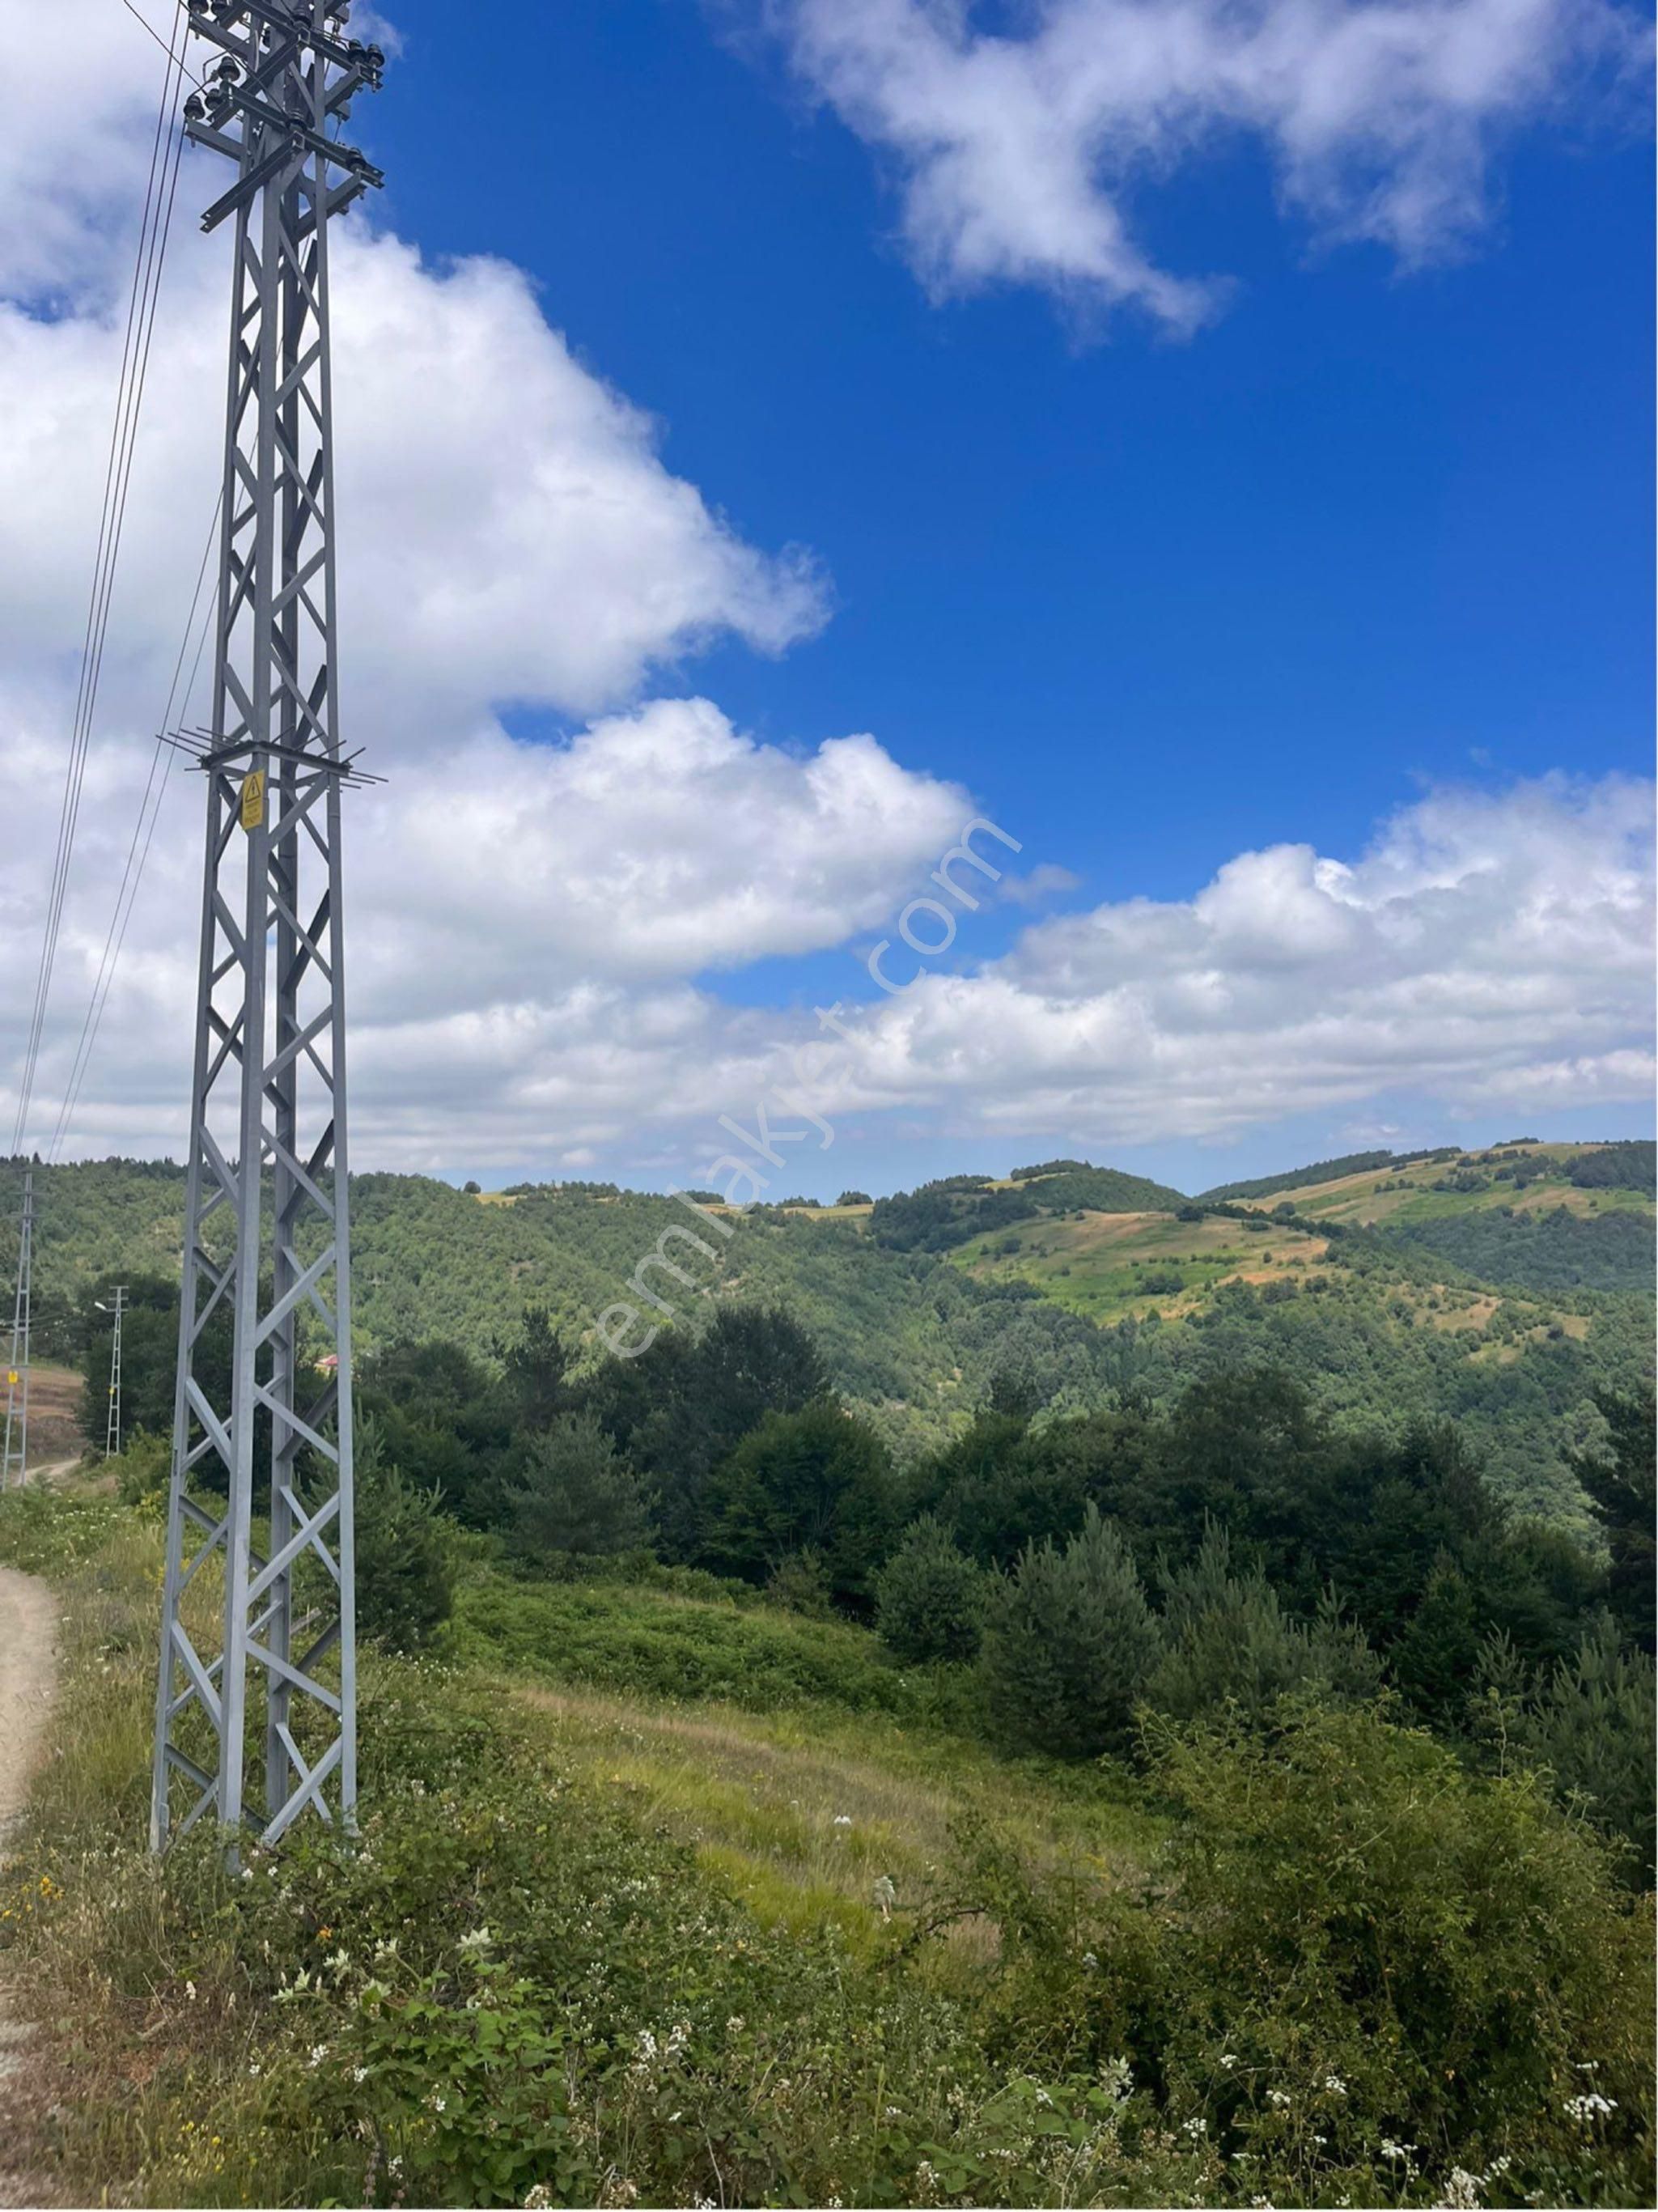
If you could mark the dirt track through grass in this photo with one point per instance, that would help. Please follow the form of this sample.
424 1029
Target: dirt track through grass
29 1630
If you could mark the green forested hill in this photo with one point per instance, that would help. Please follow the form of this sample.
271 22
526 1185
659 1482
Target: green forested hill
1503 1290
1319 1171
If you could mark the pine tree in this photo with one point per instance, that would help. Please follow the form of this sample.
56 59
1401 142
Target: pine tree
575 1496
930 1598
1228 1641
405 1574
1070 1645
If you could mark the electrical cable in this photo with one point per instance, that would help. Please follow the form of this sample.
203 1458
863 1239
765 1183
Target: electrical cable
143 833
161 190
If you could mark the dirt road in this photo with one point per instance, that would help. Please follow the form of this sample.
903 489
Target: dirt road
29 1630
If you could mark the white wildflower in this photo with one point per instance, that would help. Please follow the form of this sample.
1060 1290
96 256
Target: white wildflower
1116 2079
1195 2128
1229 2059
476 1942
1593 2106
1461 2191
1335 2084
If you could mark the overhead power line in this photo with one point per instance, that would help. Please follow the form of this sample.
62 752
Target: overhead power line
149 262
143 833
144 24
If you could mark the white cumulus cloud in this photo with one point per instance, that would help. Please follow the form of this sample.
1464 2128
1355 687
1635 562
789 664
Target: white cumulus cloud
1020 151
1487 949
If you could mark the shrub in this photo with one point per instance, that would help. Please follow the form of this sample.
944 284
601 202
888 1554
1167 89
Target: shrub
144 1468
930 1598
1069 1645
1369 1945
651 1644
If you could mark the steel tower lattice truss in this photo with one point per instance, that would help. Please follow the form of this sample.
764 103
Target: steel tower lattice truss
113 1416
267 1240
13 1463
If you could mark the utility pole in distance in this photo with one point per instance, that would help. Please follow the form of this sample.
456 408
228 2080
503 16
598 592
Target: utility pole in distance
14 1466
269 1080
113 1423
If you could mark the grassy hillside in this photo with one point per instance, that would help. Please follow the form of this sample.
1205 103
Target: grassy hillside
1114 1265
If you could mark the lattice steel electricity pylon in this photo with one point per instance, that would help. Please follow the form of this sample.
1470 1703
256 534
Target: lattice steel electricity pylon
269 1088
14 1461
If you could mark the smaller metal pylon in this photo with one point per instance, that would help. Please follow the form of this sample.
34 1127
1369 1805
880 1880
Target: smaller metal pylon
112 1425
13 1466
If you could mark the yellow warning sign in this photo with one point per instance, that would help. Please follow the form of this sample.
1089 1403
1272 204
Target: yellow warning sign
11 1378
253 799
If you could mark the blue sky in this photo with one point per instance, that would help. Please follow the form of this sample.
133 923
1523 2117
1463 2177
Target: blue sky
1235 486
1370 527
